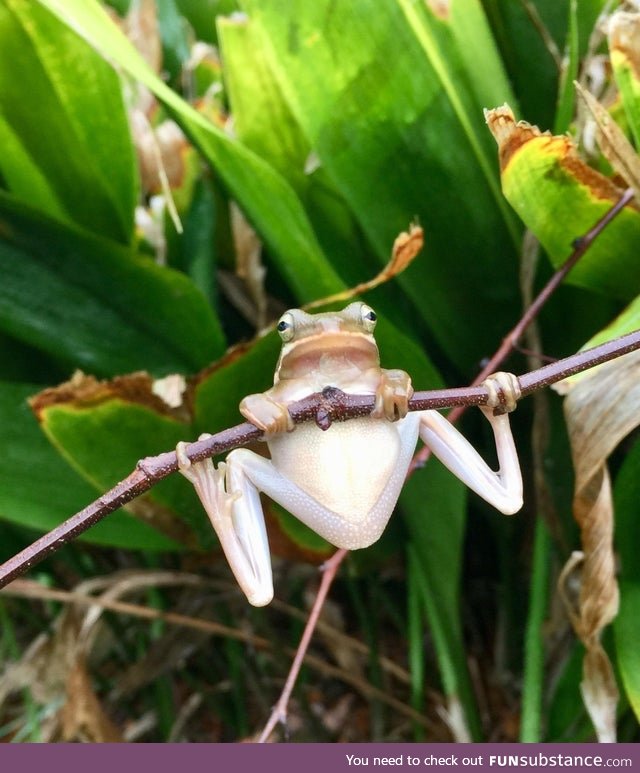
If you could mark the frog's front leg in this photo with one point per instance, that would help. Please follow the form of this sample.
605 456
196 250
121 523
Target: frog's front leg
235 512
502 489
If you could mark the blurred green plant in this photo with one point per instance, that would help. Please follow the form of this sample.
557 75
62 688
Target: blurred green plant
311 137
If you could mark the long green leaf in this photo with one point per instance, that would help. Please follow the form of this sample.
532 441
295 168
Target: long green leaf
264 122
94 304
626 625
395 124
38 489
62 114
625 57
130 428
263 194
531 723
434 502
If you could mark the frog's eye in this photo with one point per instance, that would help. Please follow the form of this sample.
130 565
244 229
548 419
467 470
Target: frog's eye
369 318
285 326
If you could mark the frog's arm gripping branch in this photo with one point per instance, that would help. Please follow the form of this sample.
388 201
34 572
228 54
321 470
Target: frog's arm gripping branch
331 405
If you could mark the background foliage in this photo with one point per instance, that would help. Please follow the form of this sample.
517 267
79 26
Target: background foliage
297 140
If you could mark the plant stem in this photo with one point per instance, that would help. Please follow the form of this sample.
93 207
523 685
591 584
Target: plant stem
532 693
279 711
415 642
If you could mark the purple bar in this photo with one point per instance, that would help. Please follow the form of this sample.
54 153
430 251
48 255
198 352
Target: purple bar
313 758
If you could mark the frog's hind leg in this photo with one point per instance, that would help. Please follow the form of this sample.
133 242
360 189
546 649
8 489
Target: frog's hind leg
502 489
235 512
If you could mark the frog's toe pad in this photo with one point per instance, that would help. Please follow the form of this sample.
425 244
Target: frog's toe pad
504 391
392 396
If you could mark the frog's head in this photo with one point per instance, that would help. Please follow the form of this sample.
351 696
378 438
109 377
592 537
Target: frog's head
307 339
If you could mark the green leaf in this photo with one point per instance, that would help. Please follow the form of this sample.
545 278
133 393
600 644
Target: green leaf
626 498
623 32
39 490
103 428
264 195
431 498
263 121
300 534
194 249
465 32
566 719
202 13
560 198
175 37
531 721
533 38
262 118
626 625
626 322
567 95
63 119
218 392
385 138
96 305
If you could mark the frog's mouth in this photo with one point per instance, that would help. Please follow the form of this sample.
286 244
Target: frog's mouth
300 357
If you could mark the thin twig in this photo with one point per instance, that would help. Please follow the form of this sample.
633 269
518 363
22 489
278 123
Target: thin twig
511 340
545 35
279 711
331 405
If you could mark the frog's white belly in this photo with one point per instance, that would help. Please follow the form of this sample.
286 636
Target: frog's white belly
346 468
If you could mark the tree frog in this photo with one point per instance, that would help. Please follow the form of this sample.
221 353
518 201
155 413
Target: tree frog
343 482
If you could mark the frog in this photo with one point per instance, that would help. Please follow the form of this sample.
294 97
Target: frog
342 482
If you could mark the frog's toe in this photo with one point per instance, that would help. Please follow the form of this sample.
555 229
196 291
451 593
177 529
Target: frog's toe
184 463
392 396
503 390
266 414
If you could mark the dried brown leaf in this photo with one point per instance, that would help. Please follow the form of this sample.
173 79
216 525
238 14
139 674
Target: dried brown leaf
624 37
441 9
613 143
162 153
512 135
82 391
405 248
249 266
142 28
599 692
170 149
82 716
509 133
600 411
170 389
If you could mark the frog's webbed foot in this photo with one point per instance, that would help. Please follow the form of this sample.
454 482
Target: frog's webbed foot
268 415
392 395
233 507
504 393
209 483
